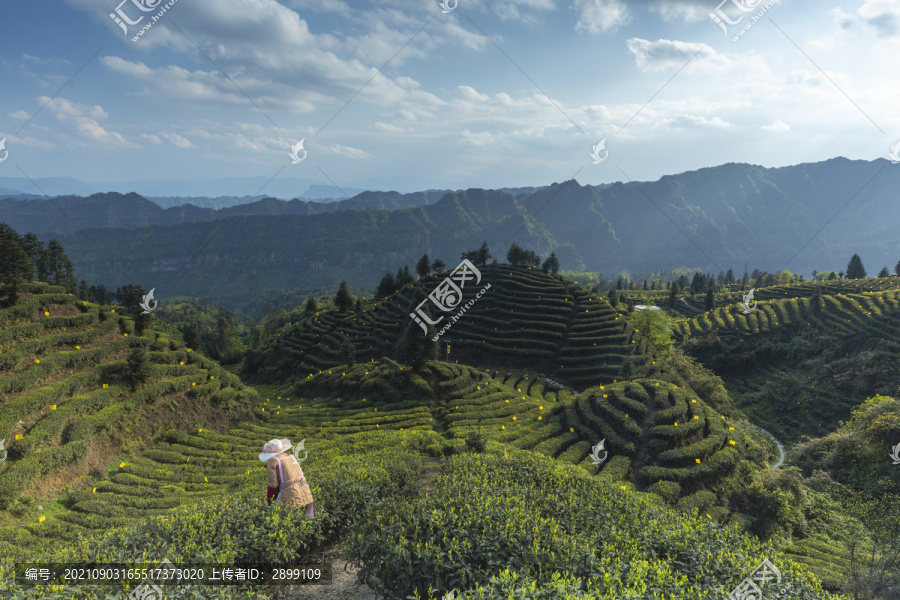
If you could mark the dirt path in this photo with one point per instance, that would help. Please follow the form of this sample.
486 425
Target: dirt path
777 444
690 306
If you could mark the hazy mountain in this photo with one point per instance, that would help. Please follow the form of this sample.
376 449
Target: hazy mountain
280 187
713 219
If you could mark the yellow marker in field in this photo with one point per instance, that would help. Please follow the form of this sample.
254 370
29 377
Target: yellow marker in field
42 519
52 407
122 465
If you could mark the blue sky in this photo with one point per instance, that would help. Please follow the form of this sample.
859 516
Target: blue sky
491 94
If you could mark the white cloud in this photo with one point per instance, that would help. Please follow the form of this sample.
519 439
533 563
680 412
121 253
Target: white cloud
778 126
84 118
599 16
483 138
673 54
347 151
154 139
177 140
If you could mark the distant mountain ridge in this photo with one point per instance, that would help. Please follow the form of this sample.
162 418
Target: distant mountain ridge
713 219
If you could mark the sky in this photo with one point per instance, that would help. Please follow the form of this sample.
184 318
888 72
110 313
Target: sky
408 94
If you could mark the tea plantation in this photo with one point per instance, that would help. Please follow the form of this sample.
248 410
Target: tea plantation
526 320
102 469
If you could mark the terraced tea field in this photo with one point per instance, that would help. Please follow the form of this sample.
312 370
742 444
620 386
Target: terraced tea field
526 320
67 409
872 313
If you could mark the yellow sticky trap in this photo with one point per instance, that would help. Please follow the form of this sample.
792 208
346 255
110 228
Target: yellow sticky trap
52 407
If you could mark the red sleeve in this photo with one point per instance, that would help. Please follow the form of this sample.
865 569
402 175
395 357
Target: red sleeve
271 493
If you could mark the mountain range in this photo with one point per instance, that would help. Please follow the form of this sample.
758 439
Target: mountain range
802 217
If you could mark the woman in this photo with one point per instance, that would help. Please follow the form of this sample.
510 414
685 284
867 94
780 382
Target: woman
286 477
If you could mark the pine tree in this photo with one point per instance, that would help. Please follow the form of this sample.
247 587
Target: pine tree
311 307
710 300
415 347
551 265
35 249
386 286
515 255
59 268
729 277
227 347
483 254
348 352
855 269
672 296
404 277
884 272
357 308
438 266
613 297
343 300
423 267
897 268
191 336
645 285
138 367
16 265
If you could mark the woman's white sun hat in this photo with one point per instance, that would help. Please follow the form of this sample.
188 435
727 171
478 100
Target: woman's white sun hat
274 448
